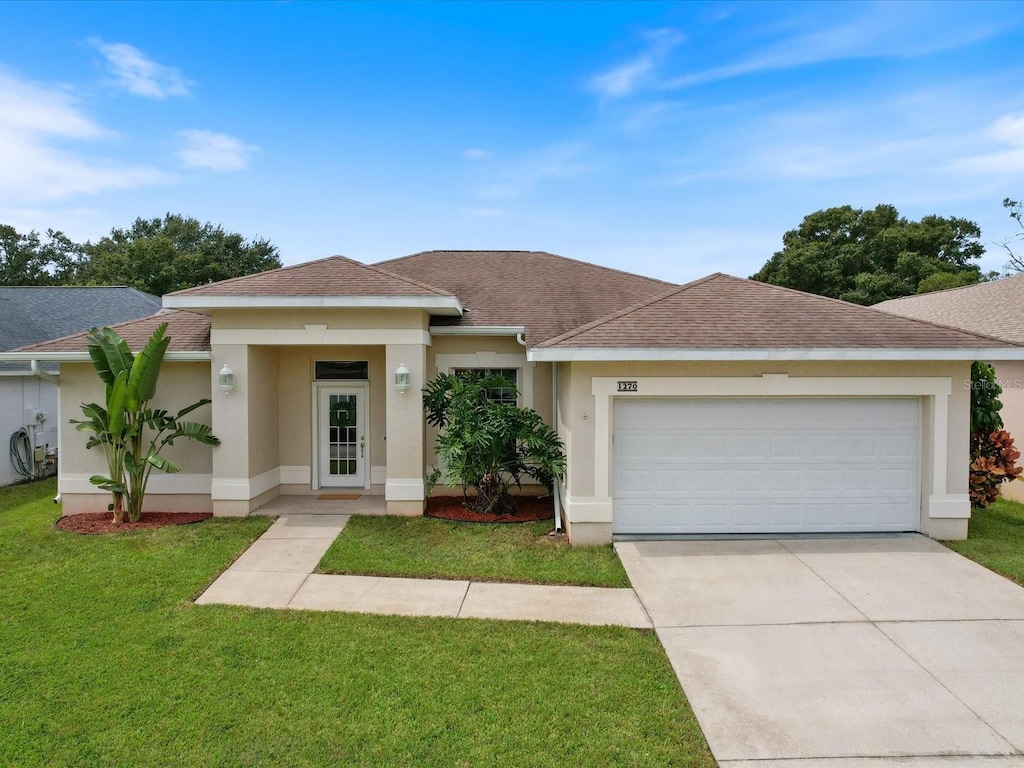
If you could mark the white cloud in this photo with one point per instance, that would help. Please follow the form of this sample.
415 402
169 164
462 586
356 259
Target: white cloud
628 77
214 151
1007 131
137 74
476 154
41 132
521 176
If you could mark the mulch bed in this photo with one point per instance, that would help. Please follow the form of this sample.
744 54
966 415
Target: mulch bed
102 522
530 509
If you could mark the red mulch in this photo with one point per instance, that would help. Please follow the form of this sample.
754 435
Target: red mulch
530 509
102 522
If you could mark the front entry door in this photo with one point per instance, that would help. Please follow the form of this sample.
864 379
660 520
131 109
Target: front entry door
343 440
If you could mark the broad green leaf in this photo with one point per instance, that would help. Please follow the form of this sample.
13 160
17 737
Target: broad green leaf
116 405
146 368
161 463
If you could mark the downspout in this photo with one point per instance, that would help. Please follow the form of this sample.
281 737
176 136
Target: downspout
55 380
554 423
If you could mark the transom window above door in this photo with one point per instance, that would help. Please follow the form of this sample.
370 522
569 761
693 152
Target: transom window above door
341 370
497 394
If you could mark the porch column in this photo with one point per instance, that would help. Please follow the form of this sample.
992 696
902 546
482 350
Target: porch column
229 490
405 488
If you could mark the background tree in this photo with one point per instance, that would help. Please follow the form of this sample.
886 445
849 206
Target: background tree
34 260
867 256
1016 262
168 254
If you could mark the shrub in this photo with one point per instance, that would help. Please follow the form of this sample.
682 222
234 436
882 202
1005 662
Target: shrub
487 445
993 455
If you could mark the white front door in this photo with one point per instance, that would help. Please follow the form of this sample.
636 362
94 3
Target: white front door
343 440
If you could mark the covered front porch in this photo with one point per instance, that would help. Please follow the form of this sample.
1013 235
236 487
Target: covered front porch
312 426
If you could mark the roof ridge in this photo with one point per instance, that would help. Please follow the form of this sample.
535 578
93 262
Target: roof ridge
945 291
542 253
628 310
284 268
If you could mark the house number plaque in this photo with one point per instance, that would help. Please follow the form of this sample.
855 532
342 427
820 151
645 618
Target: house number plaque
628 386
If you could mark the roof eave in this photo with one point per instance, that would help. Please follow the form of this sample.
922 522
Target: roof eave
601 354
437 305
83 356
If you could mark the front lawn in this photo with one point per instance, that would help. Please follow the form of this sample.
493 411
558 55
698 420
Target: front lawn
105 661
996 539
432 548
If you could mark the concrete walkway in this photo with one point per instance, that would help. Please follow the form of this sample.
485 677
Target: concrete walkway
845 652
277 572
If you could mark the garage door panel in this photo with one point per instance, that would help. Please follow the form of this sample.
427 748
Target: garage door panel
768 465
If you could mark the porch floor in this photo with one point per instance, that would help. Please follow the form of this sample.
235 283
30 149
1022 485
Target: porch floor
311 505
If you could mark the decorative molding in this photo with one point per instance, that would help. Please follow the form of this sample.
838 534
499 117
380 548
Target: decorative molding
438 305
587 509
405 489
181 483
318 335
297 475
378 475
954 505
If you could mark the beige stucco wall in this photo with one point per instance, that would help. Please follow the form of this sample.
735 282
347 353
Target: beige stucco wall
263 410
577 405
1011 379
180 384
291 318
295 399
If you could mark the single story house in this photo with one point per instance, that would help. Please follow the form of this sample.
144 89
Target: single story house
28 395
993 309
717 407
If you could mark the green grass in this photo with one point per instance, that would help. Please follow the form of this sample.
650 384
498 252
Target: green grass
431 548
105 661
996 539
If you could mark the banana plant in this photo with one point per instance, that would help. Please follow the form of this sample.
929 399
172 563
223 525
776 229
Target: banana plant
130 432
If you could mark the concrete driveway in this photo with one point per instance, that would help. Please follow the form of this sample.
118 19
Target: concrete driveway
810 652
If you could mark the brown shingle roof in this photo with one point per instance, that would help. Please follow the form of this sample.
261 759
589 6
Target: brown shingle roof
333 276
995 309
188 331
723 312
547 294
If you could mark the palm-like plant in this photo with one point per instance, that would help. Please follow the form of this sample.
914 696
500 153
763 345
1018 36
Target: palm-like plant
487 445
130 432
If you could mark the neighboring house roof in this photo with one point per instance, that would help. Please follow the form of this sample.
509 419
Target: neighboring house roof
720 312
334 281
545 293
189 333
995 308
32 314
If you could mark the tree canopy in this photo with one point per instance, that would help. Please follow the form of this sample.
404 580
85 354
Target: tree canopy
157 255
867 256
1016 210
168 254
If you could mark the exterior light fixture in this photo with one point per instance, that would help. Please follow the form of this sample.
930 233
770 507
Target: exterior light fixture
402 378
226 380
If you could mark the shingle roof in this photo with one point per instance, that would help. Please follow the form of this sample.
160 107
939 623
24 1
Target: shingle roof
723 312
189 332
32 314
547 294
995 309
333 276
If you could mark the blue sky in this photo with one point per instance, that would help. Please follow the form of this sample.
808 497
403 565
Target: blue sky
671 139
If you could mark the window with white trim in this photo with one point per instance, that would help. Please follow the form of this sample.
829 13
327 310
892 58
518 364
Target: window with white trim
497 394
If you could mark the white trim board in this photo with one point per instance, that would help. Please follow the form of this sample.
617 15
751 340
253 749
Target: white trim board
626 354
182 483
315 335
438 305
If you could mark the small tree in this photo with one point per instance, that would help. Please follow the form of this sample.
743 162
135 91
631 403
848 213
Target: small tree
132 434
993 455
487 445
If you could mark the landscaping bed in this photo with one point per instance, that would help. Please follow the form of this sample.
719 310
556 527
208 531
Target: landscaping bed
103 522
529 509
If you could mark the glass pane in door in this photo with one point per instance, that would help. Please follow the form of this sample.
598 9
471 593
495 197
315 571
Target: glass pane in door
343 437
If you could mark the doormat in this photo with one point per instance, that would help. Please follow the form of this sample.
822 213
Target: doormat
333 496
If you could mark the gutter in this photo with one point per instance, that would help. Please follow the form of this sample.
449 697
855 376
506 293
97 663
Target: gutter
40 373
477 330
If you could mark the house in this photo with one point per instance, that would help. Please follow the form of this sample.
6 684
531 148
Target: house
720 406
994 309
28 396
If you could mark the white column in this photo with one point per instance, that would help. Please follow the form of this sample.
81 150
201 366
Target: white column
405 488
229 491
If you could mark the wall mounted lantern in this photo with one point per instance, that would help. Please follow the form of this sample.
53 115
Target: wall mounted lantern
402 378
226 380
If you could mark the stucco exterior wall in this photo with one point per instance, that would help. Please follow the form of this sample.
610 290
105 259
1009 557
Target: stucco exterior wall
577 422
263 403
296 369
180 384
1011 379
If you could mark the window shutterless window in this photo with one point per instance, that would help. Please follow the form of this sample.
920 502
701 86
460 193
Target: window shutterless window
341 370
498 394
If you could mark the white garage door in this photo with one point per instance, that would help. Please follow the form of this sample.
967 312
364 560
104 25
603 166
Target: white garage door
765 465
